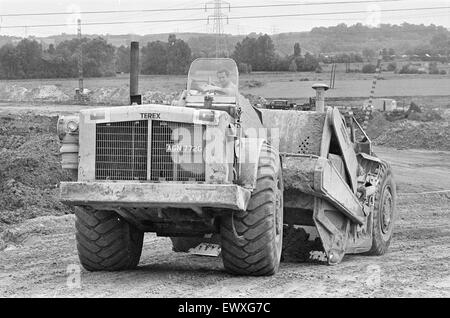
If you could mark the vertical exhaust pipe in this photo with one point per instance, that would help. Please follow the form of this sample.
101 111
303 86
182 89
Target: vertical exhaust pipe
320 96
135 98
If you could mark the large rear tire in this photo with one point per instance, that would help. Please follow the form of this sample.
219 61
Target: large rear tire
105 241
384 212
252 240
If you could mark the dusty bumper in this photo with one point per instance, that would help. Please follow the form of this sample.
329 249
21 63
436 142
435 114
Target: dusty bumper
227 196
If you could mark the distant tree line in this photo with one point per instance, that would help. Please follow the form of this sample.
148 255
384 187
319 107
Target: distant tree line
159 58
358 37
173 57
258 54
28 59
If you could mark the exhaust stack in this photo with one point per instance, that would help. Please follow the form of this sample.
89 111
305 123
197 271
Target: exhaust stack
135 98
320 89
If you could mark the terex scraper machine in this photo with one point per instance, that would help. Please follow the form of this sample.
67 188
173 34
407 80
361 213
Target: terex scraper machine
213 168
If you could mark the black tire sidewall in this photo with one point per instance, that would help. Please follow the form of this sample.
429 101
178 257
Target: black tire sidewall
279 246
381 241
129 242
271 253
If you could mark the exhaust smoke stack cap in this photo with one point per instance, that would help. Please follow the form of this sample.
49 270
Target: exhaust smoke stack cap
319 86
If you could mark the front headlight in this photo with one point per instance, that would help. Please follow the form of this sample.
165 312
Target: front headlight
72 126
67 125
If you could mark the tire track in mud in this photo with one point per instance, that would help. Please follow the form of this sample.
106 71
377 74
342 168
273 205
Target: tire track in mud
39 251
415 265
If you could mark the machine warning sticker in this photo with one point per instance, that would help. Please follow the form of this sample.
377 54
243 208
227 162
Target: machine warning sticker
98 116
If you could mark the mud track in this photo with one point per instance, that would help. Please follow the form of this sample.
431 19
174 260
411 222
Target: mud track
40 257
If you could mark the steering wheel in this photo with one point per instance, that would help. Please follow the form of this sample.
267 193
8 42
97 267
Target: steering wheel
208 90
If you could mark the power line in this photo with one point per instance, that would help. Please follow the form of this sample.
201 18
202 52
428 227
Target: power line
335 13
310 4
421 15
194 8
218 29
229 18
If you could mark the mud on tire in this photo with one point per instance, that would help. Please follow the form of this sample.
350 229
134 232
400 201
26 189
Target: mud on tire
384 212
105 241
252 240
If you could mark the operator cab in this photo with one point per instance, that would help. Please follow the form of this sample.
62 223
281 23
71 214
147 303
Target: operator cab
212 84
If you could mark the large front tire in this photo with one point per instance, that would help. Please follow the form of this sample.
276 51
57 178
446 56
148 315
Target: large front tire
252 240
105 241
384 212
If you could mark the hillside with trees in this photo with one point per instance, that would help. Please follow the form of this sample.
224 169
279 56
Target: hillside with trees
340 38
172 54
28 59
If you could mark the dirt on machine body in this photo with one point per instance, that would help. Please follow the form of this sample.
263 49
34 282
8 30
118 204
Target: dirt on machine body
214 169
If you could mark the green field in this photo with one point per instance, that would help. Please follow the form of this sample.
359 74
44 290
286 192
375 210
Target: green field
347 87
350 88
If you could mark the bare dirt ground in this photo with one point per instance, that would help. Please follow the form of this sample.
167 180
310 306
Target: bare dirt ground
351 88
40 258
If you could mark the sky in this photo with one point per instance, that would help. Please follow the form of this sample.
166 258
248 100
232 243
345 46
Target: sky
372 14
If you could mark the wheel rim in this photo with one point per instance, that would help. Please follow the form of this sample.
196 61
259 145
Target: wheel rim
387 211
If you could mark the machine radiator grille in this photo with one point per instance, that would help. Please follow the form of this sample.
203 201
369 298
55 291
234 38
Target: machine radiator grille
177 152
121 150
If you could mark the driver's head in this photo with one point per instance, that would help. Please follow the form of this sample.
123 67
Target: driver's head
224 77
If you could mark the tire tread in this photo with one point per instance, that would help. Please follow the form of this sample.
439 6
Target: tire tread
105 241
253 252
